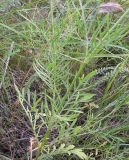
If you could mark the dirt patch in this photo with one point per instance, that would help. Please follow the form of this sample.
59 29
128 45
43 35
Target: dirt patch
15 129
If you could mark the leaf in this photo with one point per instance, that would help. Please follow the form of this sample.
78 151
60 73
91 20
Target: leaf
86 97
70 150
65 118
77 130
33 108
89 76
80 154
110 7
70 147
62 146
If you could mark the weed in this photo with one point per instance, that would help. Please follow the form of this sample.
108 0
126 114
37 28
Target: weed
73 55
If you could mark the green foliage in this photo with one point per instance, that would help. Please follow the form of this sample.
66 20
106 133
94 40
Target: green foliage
80 61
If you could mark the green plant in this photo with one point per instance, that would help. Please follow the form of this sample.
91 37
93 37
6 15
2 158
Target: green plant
72 54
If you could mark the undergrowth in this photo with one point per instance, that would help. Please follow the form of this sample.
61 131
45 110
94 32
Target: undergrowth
73 89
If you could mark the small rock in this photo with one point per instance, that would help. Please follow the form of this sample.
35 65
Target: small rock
110 7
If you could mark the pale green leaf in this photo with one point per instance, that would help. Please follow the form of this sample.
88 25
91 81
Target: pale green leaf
80 154
86 97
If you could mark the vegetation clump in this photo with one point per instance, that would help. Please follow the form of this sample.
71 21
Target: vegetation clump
64 84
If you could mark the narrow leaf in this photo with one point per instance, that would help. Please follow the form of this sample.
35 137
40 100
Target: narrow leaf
87 97
80 154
